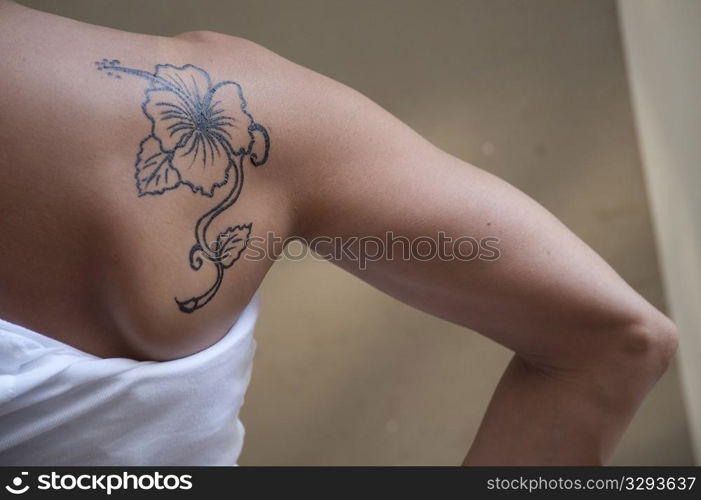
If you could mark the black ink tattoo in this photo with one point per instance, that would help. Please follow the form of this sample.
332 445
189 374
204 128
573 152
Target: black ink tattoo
201 133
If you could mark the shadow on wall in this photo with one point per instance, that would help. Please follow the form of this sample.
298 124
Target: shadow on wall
533 92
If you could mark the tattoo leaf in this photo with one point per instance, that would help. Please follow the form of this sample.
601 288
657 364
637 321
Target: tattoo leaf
232 242
154 174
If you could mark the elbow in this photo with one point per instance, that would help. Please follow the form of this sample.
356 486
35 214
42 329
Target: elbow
650 343
635 352
629 354
633 360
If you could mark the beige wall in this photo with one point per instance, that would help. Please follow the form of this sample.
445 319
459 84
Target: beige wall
532 91
663 41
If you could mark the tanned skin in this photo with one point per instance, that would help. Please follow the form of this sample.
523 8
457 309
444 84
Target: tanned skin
95 259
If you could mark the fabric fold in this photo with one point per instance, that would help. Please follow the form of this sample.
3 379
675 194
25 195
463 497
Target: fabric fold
62 406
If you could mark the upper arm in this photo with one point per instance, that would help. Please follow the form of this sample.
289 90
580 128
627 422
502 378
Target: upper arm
350 168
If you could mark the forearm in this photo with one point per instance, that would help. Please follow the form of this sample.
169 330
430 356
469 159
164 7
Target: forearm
541 416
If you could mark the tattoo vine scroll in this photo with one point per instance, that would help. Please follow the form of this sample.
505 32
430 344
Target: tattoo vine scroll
201 135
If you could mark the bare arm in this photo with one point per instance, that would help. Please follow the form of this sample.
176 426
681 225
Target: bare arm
587 346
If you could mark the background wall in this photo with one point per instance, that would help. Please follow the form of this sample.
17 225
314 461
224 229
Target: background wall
533 91
662 41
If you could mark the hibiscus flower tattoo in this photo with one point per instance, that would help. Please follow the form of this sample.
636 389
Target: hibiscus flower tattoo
201 136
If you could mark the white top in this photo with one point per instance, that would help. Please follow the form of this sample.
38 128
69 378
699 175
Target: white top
63 406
